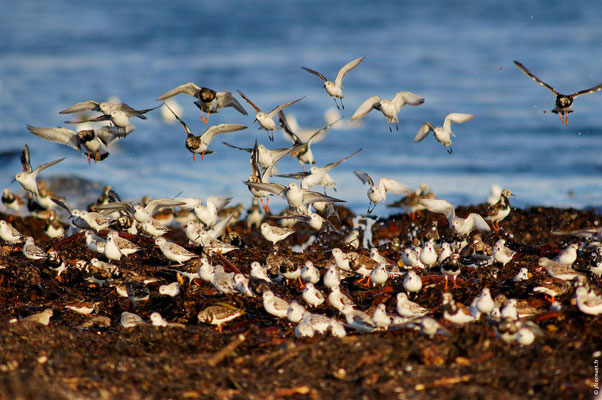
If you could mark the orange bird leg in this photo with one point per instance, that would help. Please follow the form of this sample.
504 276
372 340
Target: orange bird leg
207 117
561 121
445 283
96 157
551 299
194 157
219 328
203 155
566 120
201 114
367 283
301 282
88 158
455 285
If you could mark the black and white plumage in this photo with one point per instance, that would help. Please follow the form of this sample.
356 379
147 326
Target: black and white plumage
500 210
86 140
389 108
564 103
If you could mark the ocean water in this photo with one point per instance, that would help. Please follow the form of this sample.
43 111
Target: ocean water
457 55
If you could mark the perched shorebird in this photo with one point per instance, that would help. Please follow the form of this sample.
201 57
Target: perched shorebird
200 144
501 253
335 89
33 252
451 268
174 252
208 100
378 194
443 133
411 202
9 234
39 318
266 120
559 270
312 296
275 305
499 210
11 200
454 311
130 320
275 234
412 283
28 177
409 309
569 255
389 108
564 103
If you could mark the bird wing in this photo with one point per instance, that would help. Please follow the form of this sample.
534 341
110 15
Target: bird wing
100 118
310 197
536 79
247 149
107 134
226 99
274 188
409 98
188 88
440 206
257 109
287 129
89 105
478 223
282 106
296 175
395 187
48 164
115 206
59 135
61 204
586 91
25 159
364 177
219 201
130 112
366 107
456 118
346 68
334 164
215 130
268 171
179 120
313 71
424 131
156 204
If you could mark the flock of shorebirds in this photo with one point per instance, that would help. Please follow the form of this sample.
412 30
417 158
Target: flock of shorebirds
105 226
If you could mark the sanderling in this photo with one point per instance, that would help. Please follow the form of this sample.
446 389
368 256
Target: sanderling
208 214
411 202
500 210
335 89
295 312
223 281
331 277
501 253
428 255
9 234
337 328
377 194
39 318
53 228
275 234
83 307
380 318
389 108
509 310
485 303
412 283
568 255
319 323
461 226
304 329
522 275
379 275
200 144
451 267
558 270
358 320
125 246
431 327
219 314
157 320
33 252
94 243
274 305
206 270
171 289
298 198
27 178
208 100
266 120
174 252
454 311
260 273
242 285
443 133
563 102
86 139
552 288
118 114
309 273
312 296
130 320
409 258
111 250
409 309
338 300
587 303
446 251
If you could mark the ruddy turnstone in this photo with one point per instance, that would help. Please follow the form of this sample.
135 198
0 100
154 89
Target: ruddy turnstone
552 288
82 140
389 108
499 210
377 194
266 120
11 200
335 89
443 133
411 202
461 226
27 178
451 267
200 144
455 312
208 100
564 103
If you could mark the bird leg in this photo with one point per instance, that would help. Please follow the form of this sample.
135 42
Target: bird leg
495 226
561 121
445 283
396 127
203 153
96 157
301 283
566 120
219 328
201 114
194 157
88 153
336 104
551 299
266 207
455 285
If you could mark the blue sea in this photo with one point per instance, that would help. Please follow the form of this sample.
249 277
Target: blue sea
457 55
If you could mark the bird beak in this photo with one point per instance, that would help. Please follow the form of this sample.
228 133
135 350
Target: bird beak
13 181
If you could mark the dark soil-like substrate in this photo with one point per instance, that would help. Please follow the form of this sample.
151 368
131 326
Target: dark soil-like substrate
67 361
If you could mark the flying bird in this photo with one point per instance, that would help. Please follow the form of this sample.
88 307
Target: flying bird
563 102
335 89
208 100
378 194
443 133
28 177
389 108
86 140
